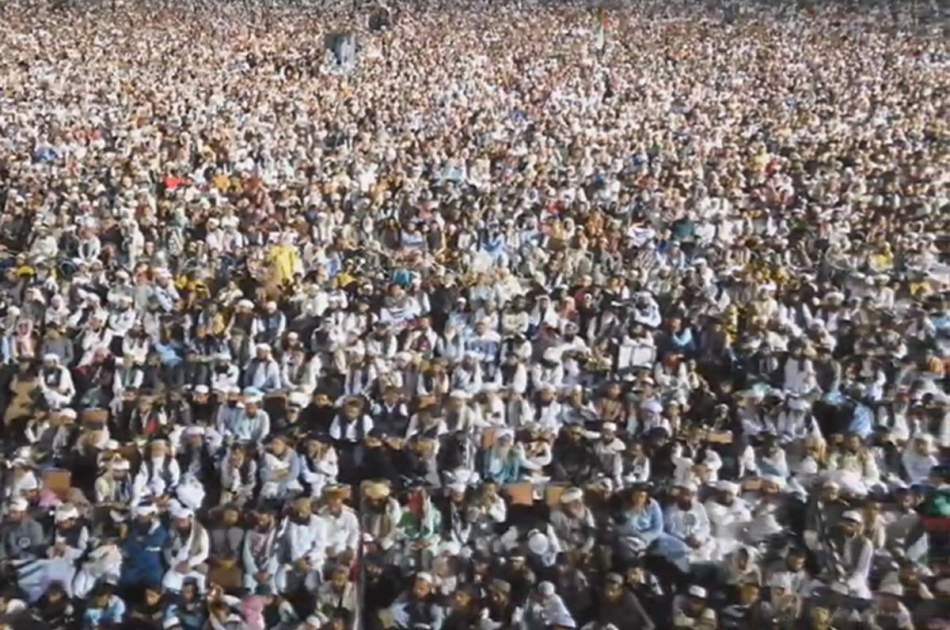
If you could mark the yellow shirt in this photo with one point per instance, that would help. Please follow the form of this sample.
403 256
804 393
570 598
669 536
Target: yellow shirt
285 262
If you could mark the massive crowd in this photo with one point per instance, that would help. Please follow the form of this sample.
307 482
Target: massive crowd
538 317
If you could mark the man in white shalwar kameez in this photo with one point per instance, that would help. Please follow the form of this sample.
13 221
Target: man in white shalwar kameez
687 521
343 526
303 549
187 550
728 515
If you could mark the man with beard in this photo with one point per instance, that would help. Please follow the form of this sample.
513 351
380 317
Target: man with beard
262 372
391 415
187 551
348 431
113 491
21 537
302 549
574 523
823 510
149 613
382 584
142 549
70 542
573 458
380 514
686 521
417 607
847 555
463 610
251 423
316 417
383 461
194 454
342 526
56 383
620 607
259 553
727 515
501 607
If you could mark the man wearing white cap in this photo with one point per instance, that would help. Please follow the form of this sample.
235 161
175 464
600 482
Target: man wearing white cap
21 537
142 549
888 612
225 375
56 383
573 522
262 372
728 514
113 489
70 541
342 524
848 554
544 607
303 548
252 423
187 551
417 607
687 522
159 473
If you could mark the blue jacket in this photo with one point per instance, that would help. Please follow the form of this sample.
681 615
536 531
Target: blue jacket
142 564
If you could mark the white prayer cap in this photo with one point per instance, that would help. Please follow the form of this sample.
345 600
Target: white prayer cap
65 512
689 486
852 515
697 591
728 486
180 511
119 464
19 504
146 509
546 589
572 494
538 543
298 399
425 577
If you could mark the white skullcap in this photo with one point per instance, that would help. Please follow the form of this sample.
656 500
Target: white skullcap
728 486
697 591
19 504
689 486
538 543
180 511
65 512
572 494
546 589
852 515
146 509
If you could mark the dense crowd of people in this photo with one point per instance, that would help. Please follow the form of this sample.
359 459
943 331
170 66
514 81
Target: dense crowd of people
536 317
